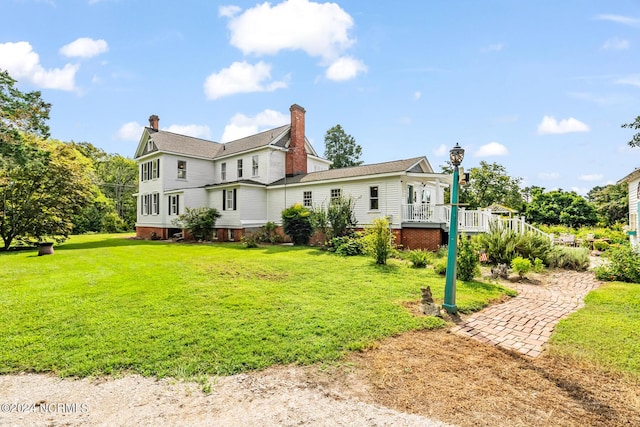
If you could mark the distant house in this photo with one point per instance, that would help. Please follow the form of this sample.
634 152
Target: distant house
633 181
251 180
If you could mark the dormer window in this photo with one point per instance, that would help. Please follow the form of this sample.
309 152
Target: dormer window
150 145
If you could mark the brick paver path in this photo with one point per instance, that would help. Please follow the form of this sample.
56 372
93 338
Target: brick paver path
524 323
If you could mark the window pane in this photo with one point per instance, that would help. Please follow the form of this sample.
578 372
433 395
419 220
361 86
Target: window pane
182 169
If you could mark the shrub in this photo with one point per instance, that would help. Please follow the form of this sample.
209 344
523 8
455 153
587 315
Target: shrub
440 266
521 266
296 222
418 258
467 263
341 216
499 244
200 222
538 265
250 240
623 265
600 245
269 234
347 245
568 258
378 240
532 246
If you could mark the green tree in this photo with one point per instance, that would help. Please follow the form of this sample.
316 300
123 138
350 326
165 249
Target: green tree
611 202
200 222
559 207
341 148
489 183
45 183
635 140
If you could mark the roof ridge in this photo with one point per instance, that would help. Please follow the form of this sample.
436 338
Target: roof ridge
256 134
186 136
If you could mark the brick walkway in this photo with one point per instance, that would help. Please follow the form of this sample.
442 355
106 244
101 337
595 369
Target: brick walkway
525 323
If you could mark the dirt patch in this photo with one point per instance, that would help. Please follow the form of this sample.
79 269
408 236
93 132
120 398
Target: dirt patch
463 382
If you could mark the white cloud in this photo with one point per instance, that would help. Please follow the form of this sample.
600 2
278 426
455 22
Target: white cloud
241 77
580 190
84 48
491 149
496 47
417 95
345 68
616 44
319 29
592 177
23 63
619 19
130 131
196 131
241 125
441 150
633 80
550 125
228 11
548 175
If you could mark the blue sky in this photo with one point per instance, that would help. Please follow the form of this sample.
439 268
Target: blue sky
540 87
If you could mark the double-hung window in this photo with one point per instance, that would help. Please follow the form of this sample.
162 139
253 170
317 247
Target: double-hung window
239 168
155 203
373 198
307 199
174 204
254 165
335 194
223 171
229 200
182 169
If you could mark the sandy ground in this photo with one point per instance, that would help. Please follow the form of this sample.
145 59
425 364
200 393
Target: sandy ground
281 396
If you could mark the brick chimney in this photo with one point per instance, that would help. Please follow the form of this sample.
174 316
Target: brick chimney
153 121
296 160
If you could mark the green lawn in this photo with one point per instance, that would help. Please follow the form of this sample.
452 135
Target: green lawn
606 330
104 304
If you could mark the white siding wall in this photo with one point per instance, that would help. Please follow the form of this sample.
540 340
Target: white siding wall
314 165
149 187
270 167
229 218
634 214
389 191
199 172
252 204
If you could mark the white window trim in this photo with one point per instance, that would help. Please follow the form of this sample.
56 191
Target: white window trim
182 171
255 165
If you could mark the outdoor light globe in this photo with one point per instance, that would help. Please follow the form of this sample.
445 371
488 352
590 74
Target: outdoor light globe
456 155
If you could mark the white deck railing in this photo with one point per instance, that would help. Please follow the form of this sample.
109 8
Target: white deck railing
472 221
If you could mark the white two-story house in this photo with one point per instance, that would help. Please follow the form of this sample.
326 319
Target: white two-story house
633 181
251 180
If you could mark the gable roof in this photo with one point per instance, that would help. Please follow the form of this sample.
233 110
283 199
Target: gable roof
632 176
415 164
170 142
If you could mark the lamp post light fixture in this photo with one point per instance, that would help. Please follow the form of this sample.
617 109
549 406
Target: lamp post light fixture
455 155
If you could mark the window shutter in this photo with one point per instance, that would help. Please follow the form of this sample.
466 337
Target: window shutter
158 160
234 199
177 204
224 200
169 206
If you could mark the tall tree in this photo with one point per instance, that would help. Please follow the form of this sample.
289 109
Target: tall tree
635 140
341 148
46 185
611 202
559 207
489 184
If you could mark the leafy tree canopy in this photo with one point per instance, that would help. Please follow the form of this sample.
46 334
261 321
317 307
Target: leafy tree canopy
635 140
46 183
488 184
559 207
341 148
611 202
